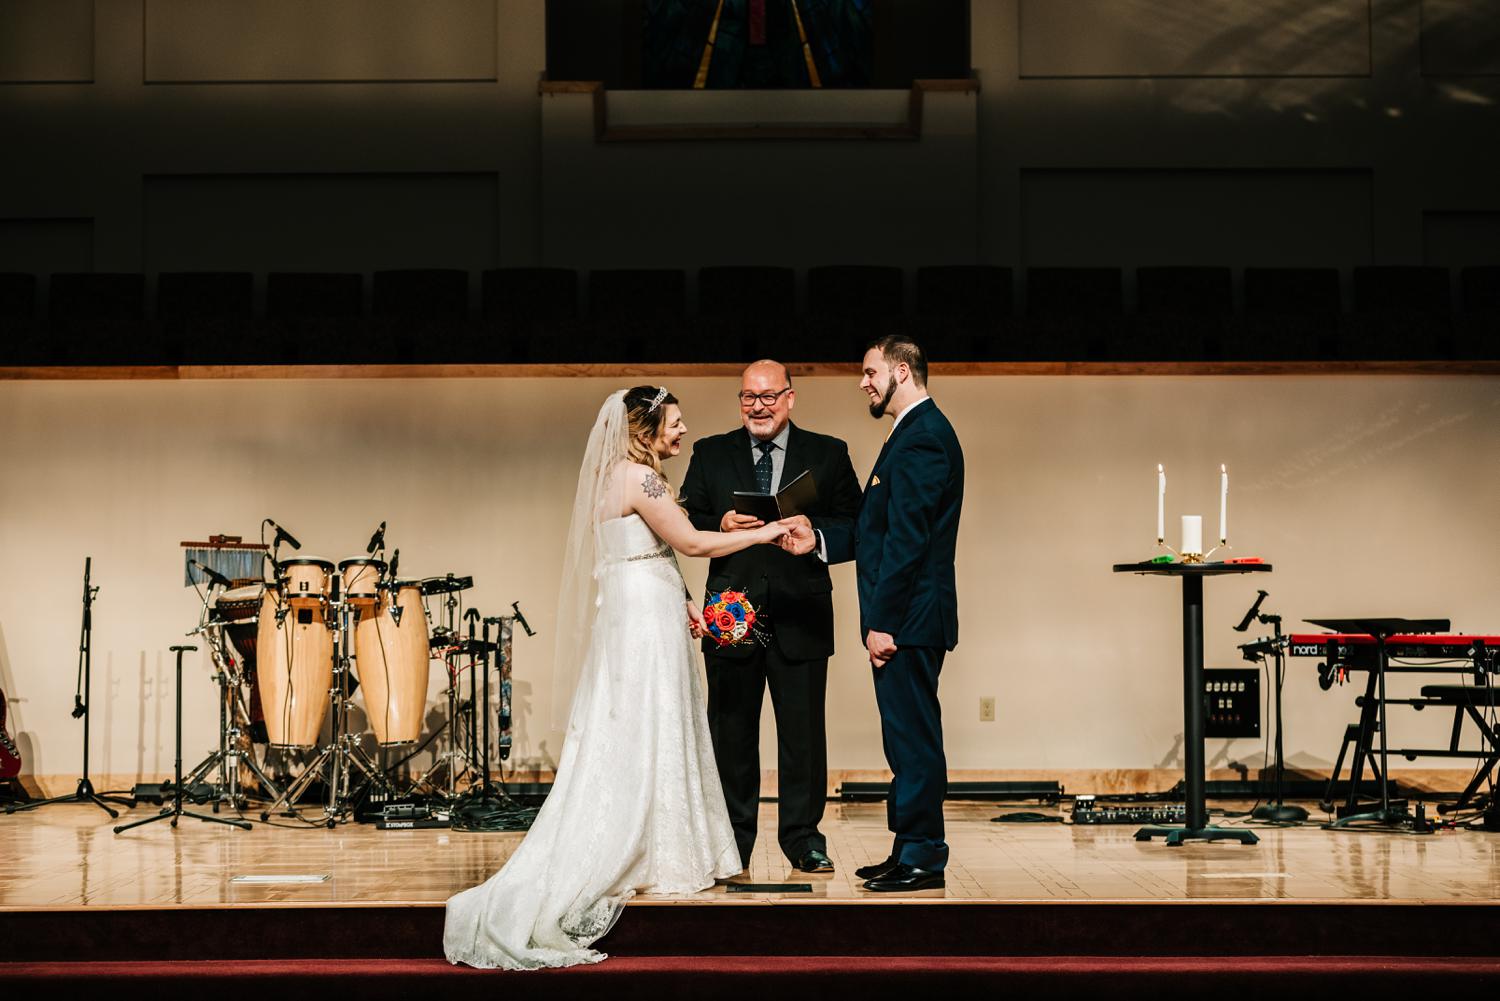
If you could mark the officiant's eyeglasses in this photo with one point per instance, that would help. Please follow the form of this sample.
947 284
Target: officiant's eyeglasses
748 399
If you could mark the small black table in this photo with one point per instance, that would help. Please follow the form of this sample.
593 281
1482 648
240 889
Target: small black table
1197 827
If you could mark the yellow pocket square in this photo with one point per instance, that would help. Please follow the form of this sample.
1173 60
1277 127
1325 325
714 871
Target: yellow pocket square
874 481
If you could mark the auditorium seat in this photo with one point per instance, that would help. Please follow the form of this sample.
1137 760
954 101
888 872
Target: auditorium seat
964 311
848 306
98 318
1180 314
207 317
1476 328
1071 313
1400 313
1291 314
421 293
528 312
316 318
423 312
17 296
744 312
635 314
18 334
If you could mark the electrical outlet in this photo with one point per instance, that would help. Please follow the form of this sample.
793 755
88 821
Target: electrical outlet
986 709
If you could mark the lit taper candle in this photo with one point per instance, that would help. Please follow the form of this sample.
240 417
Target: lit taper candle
1223 504
1161 504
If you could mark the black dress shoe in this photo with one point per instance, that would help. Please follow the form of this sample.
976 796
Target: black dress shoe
814 860
877 869
906 879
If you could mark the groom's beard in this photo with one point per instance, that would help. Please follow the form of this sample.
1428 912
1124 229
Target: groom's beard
877 410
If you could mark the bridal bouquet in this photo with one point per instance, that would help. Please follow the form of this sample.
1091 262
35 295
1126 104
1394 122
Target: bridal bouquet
731 620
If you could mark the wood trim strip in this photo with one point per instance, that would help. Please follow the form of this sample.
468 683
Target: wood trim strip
907 131
126 373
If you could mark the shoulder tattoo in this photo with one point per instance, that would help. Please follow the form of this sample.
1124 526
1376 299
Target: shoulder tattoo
654 486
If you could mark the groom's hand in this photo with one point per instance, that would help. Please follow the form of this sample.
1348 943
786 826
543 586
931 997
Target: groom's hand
800 538
881 647
733 521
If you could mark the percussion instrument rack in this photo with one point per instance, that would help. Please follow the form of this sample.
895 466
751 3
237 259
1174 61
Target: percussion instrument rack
233 717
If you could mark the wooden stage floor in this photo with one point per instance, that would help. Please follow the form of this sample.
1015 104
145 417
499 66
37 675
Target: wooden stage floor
67 857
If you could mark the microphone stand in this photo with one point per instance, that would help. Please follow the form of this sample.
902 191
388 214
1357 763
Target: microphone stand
85 792
175 810
1276 811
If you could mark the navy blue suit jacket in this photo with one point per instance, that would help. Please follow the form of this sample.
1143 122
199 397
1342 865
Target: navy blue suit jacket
905 538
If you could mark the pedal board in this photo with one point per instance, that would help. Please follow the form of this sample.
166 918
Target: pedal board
401 813
1088 810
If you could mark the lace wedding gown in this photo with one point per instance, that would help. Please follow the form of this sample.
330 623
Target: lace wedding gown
636 805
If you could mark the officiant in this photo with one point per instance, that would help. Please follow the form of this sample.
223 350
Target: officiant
795 596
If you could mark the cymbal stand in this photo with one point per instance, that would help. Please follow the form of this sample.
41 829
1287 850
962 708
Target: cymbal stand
454 760
342 754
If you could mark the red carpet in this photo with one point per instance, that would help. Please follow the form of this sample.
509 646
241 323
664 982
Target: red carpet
760 977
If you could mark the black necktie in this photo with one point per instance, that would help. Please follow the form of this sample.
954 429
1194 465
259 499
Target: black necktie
763 466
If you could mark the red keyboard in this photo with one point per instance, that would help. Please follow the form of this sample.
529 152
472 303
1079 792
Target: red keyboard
1423 646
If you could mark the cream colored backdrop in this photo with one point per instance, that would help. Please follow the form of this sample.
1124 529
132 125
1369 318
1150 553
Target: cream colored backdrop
1371 495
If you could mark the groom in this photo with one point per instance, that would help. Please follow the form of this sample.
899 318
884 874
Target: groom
903 544
796 593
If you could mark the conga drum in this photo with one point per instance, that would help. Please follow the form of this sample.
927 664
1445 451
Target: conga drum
295 669
361 579
306 581
391 657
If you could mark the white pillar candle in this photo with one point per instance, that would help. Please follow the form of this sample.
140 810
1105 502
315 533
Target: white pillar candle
1192 535
1161 504
1223 504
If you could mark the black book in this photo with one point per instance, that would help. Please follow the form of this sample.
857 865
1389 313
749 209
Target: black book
792 499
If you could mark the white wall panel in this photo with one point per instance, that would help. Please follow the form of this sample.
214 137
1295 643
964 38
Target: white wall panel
230 41
46 41
1461 37
1146 38
474 477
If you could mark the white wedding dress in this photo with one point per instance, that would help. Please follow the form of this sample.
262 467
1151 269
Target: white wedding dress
636 806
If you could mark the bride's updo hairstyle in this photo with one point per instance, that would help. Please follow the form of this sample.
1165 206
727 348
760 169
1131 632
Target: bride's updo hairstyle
645 409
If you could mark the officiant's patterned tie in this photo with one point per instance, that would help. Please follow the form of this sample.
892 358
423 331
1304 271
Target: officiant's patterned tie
763 466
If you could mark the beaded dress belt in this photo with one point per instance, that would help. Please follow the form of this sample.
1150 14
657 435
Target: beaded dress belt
660 553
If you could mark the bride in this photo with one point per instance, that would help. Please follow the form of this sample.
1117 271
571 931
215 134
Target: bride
636 805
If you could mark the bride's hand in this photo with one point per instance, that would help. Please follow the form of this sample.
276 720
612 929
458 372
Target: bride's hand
771 534
695 621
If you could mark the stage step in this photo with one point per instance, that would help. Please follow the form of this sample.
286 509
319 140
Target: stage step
874 928
786 977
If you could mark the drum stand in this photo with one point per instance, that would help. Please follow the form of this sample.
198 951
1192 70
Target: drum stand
230 755
453 762
455 759
342 754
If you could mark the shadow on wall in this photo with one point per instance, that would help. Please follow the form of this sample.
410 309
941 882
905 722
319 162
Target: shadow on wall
1285 57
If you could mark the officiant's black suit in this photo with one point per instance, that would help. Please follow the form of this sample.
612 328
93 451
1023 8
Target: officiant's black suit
796 595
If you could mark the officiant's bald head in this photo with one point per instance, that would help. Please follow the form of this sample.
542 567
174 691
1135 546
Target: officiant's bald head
766 398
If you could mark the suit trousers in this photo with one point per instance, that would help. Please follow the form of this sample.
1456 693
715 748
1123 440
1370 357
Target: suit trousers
736 691
911 728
